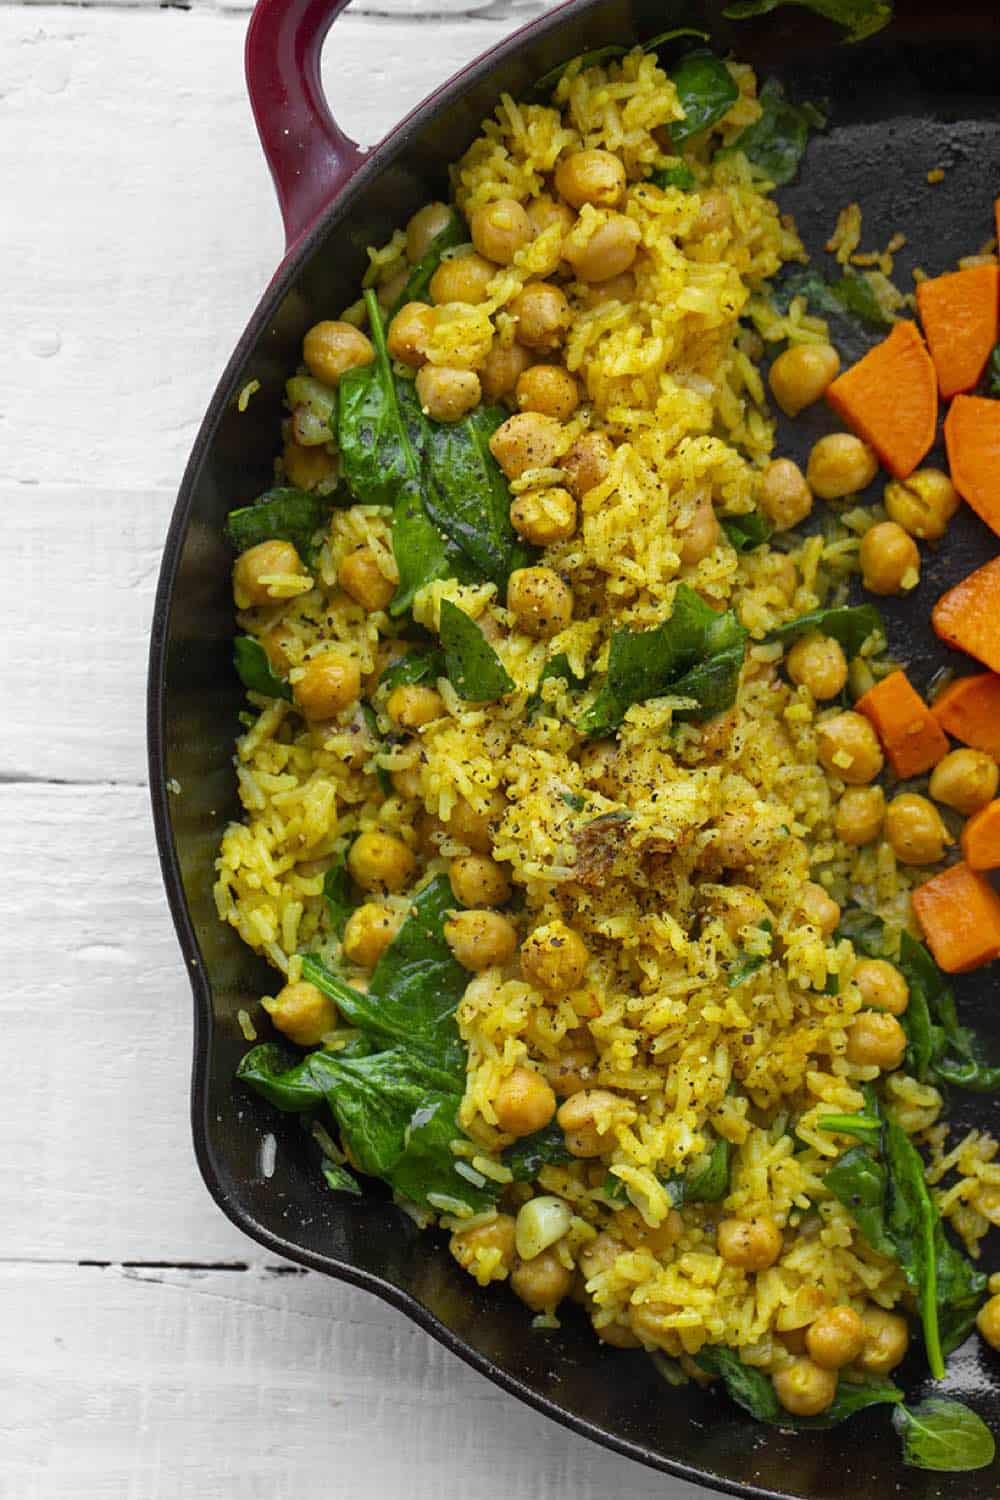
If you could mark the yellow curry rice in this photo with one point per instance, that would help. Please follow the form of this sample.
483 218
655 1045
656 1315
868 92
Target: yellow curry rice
702 848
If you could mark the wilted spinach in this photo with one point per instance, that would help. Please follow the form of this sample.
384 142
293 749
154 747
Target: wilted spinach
859 18
255 671
286 515
851 625
452 234
472 666
754 1391
705 91
944 1435
693 654
747 531
776 142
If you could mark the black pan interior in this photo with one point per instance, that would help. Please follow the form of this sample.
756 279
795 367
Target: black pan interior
920 96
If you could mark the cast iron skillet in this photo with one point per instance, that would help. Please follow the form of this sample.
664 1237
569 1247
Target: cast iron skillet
920 95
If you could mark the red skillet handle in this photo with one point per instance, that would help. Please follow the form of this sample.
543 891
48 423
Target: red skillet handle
311 159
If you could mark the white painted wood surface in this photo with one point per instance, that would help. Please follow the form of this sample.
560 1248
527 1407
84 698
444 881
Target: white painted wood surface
136 231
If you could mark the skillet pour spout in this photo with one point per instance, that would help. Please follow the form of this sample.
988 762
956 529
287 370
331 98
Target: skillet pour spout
920 94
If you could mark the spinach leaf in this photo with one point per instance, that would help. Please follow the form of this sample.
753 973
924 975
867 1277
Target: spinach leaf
531 1153
679 176
851 625
710 1183
851 295
939 1047
454 233
416 666
286 515
944 1435
747 531
340 893
468 498
705 91
859 18
556 666
776 142
414 988
340 1180
473 667
993 373
753 1390
255 671
695 653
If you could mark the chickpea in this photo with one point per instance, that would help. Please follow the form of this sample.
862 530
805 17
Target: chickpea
616 289
817 662
785 497
303 1013
887 1338
306 467
412 705
701 534
738 840
524 1102
882 986
474 828
608 250
554 957
466 1245
860 812
800 376
548 389
539 600
330 348
572 1070
588 462
840 464
462 278
965 780
481 939
915 830
544 516
818 909
805 1388
890 562
836 1338
477 880
988 1322
749 1244
848 747
526 441
714 216
500 229
545 211
380 863
424 228
578 1119
329 683
541 1282
446 395
743 909
923 504
875 1039
360 576
255 566
596 177
369 931
410 333
502 368
543 315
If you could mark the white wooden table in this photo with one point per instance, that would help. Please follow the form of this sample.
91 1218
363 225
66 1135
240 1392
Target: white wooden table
149 1351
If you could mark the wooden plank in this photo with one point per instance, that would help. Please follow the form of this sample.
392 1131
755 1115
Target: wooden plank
173 1385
